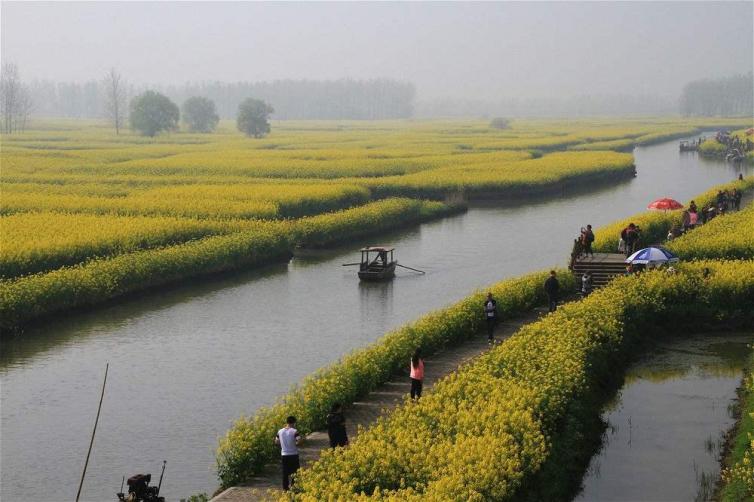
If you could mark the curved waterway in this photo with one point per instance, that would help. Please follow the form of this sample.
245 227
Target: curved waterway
666 427
186 361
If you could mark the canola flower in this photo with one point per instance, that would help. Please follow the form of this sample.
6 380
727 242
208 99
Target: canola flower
738 475
38 242
90 282
656 224
486 430
246 447
729 236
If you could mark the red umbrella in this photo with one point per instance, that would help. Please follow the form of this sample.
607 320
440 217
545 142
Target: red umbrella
665 204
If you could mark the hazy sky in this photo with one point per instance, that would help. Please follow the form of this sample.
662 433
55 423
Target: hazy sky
474 50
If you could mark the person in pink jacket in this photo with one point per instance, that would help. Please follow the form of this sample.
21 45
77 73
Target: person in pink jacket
417 374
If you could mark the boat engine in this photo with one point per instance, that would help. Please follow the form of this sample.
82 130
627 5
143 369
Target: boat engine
139 489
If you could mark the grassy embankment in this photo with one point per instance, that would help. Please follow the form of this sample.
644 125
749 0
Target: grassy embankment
714 149
519 412
737 483
537 395
656 224
246 447
84 205
96 280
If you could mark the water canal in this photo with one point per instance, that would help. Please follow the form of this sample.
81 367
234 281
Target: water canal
665 428
186 361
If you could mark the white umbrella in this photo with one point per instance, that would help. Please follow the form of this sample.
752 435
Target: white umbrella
652 256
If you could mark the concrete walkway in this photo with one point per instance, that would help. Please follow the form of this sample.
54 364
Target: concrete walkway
363 413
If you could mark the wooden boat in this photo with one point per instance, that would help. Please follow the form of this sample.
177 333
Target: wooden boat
377 263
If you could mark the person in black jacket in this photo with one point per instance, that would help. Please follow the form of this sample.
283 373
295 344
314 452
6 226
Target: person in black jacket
552 287
336 426
490 316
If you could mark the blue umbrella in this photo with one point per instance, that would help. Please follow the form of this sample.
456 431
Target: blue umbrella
652 256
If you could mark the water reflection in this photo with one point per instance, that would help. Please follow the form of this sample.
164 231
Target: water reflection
666 426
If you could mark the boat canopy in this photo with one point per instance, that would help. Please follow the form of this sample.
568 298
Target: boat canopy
377 249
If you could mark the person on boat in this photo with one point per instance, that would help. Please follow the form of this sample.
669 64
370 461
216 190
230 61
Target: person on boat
288 439
336 426
490 316
552 288
586 284
417 374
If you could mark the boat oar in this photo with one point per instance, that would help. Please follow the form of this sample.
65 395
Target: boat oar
415 270
349 264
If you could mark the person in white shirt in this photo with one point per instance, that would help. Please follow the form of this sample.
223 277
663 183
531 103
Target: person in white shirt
288 438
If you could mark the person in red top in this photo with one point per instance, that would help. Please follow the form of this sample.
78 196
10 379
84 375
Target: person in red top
417 374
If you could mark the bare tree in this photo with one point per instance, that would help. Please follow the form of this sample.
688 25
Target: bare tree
115 98
15 100
24 109
9 90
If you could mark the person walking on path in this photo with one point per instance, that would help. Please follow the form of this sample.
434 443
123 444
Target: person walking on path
288 438
417 374
586 284
336 426
552 287
588 239
490 316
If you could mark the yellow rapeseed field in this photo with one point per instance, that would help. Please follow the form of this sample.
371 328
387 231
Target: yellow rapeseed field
73 191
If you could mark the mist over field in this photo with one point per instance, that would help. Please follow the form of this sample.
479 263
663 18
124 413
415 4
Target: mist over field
456 58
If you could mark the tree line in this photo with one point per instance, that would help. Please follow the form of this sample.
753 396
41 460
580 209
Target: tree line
723 97
148 113
292 99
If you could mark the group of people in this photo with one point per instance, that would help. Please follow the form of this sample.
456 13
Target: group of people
734 142
629 239
288 438
725 201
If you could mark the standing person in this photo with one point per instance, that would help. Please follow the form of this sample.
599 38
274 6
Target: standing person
686 220
586 284
336 426
693 219
552 287
737 195
490 316
588 240
631 238
692 207
288 438
417 374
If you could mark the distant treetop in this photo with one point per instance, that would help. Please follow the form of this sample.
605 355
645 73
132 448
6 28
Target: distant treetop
151 113
199 114
253 117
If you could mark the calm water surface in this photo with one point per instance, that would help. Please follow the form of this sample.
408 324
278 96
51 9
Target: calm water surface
666 427
186 361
